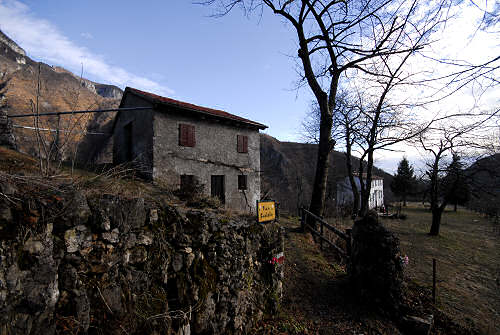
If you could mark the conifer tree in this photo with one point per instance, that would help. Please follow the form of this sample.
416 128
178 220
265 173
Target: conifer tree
404 180
455 183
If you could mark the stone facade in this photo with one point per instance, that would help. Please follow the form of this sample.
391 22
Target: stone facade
103 264
151 138
139 146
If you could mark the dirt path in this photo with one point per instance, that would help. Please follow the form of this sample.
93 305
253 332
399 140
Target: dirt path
315 298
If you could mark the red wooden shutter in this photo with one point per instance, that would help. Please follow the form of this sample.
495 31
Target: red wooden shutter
182 134
242 145
192 138
245 143
186 135
239 143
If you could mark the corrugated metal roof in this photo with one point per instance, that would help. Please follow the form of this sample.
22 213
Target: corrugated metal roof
185 105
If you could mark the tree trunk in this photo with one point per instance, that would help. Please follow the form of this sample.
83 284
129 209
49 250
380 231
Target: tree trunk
350 174
455 207
436 221
324 148
404 200
365 196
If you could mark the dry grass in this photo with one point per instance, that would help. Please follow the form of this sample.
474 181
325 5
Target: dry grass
468 262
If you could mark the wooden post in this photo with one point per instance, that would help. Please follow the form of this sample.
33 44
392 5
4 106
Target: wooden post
302 219
434 280
348 242
321 233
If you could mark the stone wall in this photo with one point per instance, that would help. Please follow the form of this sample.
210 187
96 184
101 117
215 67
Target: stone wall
376 267
137 143
215 153
111 265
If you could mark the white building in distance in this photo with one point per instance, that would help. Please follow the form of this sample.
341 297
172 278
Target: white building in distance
345 196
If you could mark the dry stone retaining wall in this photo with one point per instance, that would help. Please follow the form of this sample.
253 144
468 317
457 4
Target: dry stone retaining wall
109 265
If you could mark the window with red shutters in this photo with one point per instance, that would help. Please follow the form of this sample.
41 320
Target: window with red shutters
187 135
242 145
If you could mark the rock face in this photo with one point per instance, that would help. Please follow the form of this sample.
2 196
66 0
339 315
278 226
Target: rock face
376 269
111 265
61 91
11 44
108 91
6 134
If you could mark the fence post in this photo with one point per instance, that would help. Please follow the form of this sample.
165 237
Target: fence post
321 234
302 219
348 242
434 280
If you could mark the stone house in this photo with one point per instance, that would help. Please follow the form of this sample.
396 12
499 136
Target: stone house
345 196
178 144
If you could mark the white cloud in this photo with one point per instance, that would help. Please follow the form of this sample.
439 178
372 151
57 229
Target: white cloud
87 35
42 40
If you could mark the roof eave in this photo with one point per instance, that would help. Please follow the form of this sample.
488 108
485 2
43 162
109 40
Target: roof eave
156 101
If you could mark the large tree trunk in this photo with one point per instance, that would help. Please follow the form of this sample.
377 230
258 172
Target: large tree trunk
350 174
436 221
365 198
324 148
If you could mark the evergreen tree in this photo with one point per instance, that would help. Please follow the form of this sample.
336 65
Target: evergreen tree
456 188
404 180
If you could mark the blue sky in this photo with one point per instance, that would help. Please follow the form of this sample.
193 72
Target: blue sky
172 48
245 66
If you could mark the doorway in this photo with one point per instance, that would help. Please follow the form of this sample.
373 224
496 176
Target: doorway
218 188
129 153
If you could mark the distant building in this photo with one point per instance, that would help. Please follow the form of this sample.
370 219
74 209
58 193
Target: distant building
177 143
345 196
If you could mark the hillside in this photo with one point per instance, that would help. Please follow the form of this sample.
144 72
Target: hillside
60 90
288 172
485 185
287 168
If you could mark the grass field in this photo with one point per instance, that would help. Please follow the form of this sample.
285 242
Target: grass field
468 262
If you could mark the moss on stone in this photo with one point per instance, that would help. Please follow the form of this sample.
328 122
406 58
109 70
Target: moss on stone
256 228
151 303
205 276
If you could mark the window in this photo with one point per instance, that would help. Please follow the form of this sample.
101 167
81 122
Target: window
242 146
186 135
242 182
187 182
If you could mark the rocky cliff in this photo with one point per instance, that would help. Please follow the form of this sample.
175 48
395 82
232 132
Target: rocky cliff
104 264
59 90
10 44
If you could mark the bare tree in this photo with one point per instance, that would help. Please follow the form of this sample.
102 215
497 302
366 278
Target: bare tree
454 137
338 39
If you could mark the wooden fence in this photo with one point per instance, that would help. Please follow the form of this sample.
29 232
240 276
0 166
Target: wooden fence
305 215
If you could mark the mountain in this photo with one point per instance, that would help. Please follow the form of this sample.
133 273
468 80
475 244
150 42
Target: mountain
59 90
484 179
288 168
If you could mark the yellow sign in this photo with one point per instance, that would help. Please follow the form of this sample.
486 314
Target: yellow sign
266 211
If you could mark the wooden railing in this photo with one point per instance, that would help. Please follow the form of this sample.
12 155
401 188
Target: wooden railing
304 217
